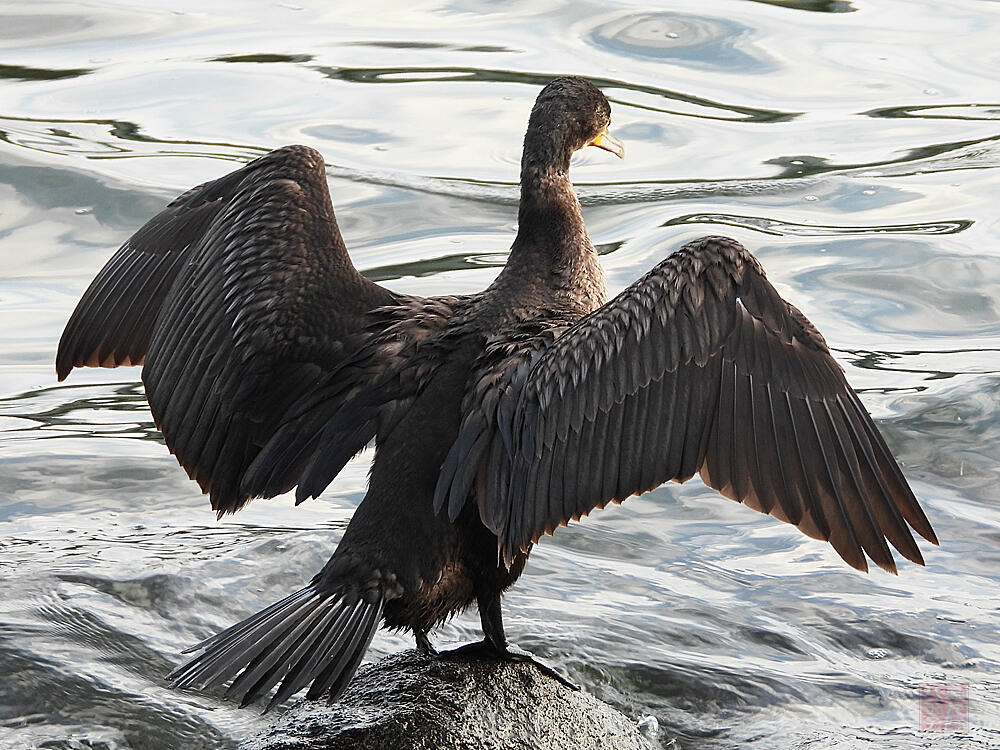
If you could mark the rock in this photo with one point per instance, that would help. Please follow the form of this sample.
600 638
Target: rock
410 701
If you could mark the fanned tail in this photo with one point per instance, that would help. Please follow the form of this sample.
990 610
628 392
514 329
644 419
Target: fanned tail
311 636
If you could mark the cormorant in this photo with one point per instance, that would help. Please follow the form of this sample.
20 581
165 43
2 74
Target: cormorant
269 361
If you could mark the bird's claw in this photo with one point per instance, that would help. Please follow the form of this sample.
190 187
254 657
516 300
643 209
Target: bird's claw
520 655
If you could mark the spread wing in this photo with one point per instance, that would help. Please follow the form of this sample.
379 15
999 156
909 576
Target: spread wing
700 366
239 298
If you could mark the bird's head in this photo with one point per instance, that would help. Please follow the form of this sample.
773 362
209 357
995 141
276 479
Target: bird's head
569 114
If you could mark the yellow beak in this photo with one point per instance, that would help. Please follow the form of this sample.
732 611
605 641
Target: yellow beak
609 143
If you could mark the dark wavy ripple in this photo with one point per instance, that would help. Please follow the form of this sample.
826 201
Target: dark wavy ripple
857 155
787 228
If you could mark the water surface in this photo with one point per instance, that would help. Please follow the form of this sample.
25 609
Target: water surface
853 145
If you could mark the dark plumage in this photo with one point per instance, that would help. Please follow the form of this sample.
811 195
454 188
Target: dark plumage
269 362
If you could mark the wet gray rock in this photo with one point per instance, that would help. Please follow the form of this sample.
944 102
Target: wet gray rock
409 701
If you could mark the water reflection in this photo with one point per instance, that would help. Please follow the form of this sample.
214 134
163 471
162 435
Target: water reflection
100 139
414 44
83 411
818 6
787 228
918 160
23 73
611 87
941 112
711 43
264 57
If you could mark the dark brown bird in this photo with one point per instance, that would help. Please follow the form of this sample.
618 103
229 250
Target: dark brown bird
269 361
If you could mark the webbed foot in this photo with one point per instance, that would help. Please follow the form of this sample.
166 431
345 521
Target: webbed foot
486 649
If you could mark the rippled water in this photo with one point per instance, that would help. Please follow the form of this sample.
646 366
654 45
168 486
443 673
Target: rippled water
853 145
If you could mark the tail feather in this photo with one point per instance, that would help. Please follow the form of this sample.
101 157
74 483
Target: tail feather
270 664
295 657
225 653
312 635
311 663
237 645
338 673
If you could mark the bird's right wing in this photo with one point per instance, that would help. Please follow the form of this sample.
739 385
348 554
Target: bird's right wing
239 298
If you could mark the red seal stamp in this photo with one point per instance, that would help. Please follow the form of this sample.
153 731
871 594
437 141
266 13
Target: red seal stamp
944 707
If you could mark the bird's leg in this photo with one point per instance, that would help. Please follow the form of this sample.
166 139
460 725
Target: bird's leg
495 643
492 618
423 642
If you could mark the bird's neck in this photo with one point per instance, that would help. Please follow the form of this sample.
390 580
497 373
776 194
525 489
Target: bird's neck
552 249
550 230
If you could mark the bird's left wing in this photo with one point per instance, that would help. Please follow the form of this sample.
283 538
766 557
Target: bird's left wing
700 366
